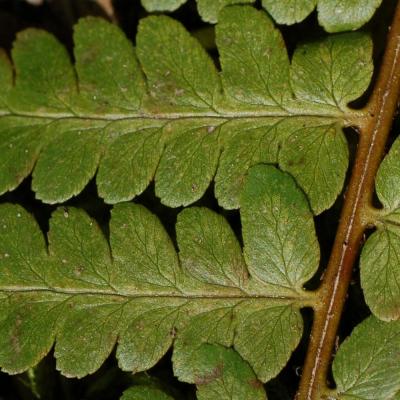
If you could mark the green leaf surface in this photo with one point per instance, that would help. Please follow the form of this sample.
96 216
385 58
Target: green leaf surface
244 145
318 169
209 9
388 182
188 163
180 122
367 365
144 393
220 330
344 15
21 141
103 53
178 70
68 167
162 5
274 210
266 352
131 160
379 263
332 71
45 84
219 257
85 293
380 272
289 11
256 74
333 15
6 77
221 374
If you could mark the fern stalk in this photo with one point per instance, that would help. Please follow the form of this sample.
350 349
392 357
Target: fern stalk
357 215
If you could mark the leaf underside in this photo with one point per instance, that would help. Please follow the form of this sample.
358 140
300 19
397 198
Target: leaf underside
333 15
380 256
142 392
83 295
367 365
220 374
87 294
163 112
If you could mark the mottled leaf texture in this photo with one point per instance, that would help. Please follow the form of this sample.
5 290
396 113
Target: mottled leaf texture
85 294
380 257
273 210
144 393
162 5
343 15
333 15
163 112
219 374
367 365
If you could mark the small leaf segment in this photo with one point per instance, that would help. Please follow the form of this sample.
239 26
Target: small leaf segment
220 374
380 262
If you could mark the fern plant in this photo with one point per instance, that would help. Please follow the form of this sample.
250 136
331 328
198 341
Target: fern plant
267 130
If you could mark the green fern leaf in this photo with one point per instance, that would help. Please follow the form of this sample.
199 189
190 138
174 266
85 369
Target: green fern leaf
379 263
180 121
219 373
222 375
367 365
333 15
144 393
86 294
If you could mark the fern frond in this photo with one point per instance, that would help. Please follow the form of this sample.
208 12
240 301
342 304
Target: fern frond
172 116
333 15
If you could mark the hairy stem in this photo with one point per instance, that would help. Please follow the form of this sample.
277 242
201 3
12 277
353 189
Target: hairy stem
355 218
